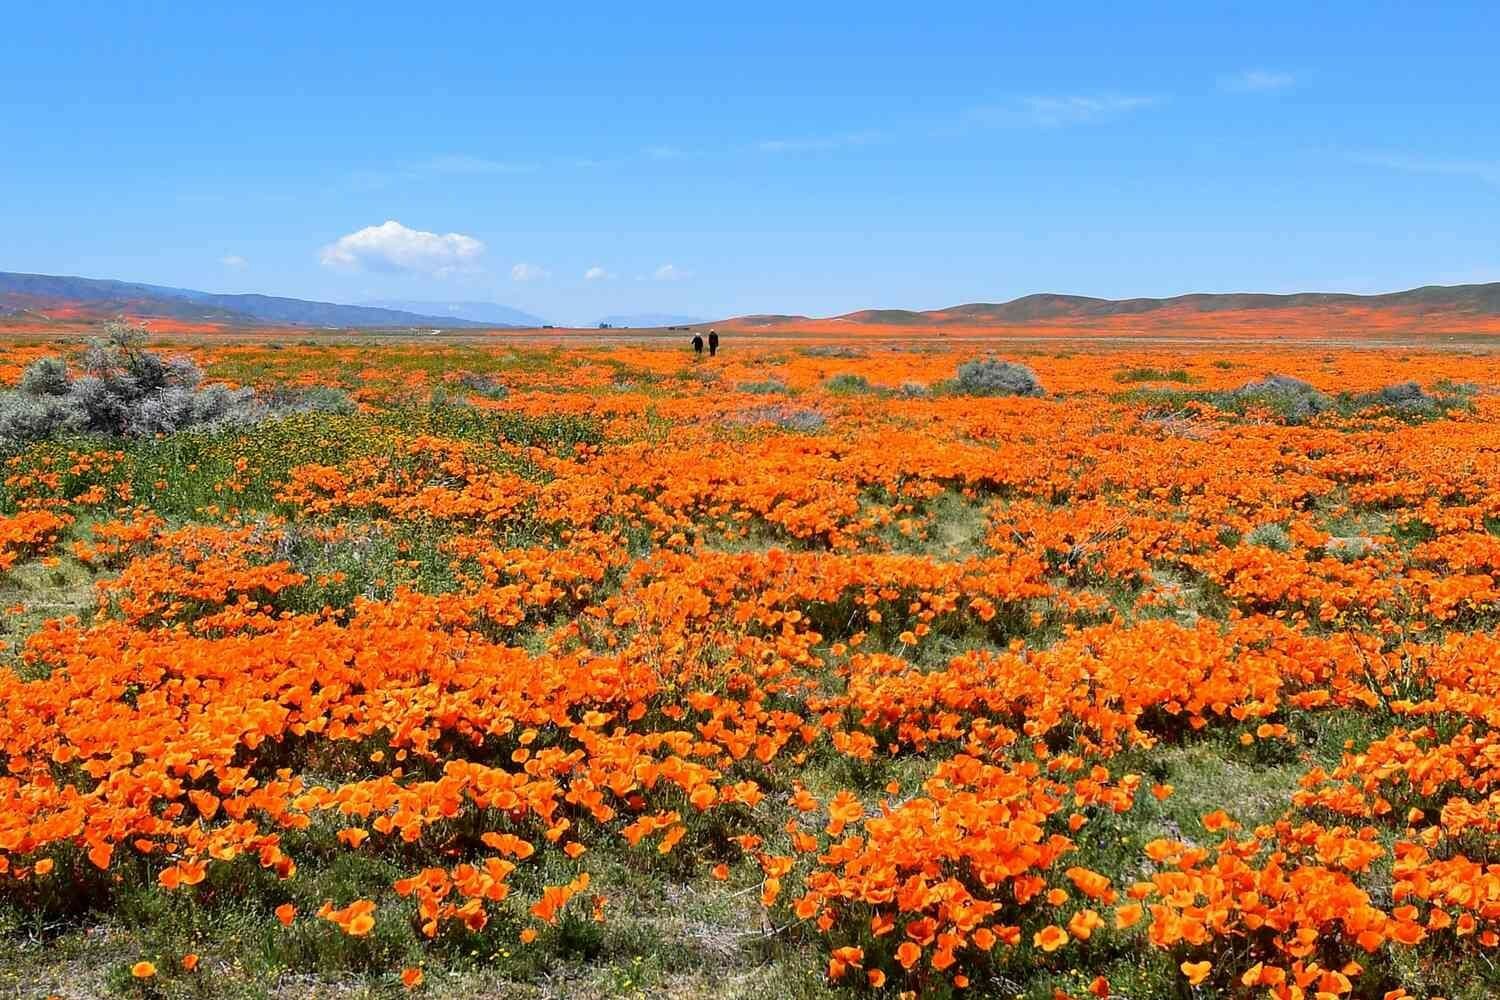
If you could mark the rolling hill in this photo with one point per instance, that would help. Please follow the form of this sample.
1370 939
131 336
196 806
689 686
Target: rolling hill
1431 309
1478 299
1449 310
91 299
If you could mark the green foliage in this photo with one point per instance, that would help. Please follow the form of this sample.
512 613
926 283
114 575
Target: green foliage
770 387
1270 536
847 384
483 385
1293 401
558 433
1152 375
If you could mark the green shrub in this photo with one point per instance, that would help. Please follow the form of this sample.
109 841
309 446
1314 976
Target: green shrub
483 385
770 387
847 384
1152 375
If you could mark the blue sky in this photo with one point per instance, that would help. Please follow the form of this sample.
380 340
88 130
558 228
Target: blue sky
583 160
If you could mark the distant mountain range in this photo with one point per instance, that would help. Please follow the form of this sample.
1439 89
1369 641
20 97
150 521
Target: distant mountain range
487 313
1481 299
643 321
1455 310
66 298
51 300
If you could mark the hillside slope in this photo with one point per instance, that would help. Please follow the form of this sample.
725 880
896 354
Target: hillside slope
1429 310
61 297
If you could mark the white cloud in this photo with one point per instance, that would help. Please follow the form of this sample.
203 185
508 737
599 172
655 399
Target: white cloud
391 247
234 261
596 274
669 272
663 152
1259 81
527 272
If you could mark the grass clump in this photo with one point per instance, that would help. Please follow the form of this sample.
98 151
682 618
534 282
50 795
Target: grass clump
483 385
1409 402
769 387
1349 548
1153 375
847 384
785 417
1293 401
286 400
1270 536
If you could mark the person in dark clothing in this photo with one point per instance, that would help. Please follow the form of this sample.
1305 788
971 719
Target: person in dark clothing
713 342
698 344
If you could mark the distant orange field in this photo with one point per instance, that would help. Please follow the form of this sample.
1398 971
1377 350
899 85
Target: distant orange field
805 670
1353 325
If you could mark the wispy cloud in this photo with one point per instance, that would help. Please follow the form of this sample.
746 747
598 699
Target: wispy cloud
1485 171
465 164
1032 111
234 261
391 247
596 274
669 272
445 165
841 140
1258 81
527 272
1056 111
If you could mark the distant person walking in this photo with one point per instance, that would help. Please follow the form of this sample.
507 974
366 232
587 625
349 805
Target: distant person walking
713 342
698 345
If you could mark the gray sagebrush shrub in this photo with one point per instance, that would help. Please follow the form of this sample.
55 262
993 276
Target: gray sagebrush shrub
46 377
1293 399
990 377
483 385
787 418
127 391
25 417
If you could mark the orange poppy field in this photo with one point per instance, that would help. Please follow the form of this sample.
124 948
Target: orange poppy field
798 671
